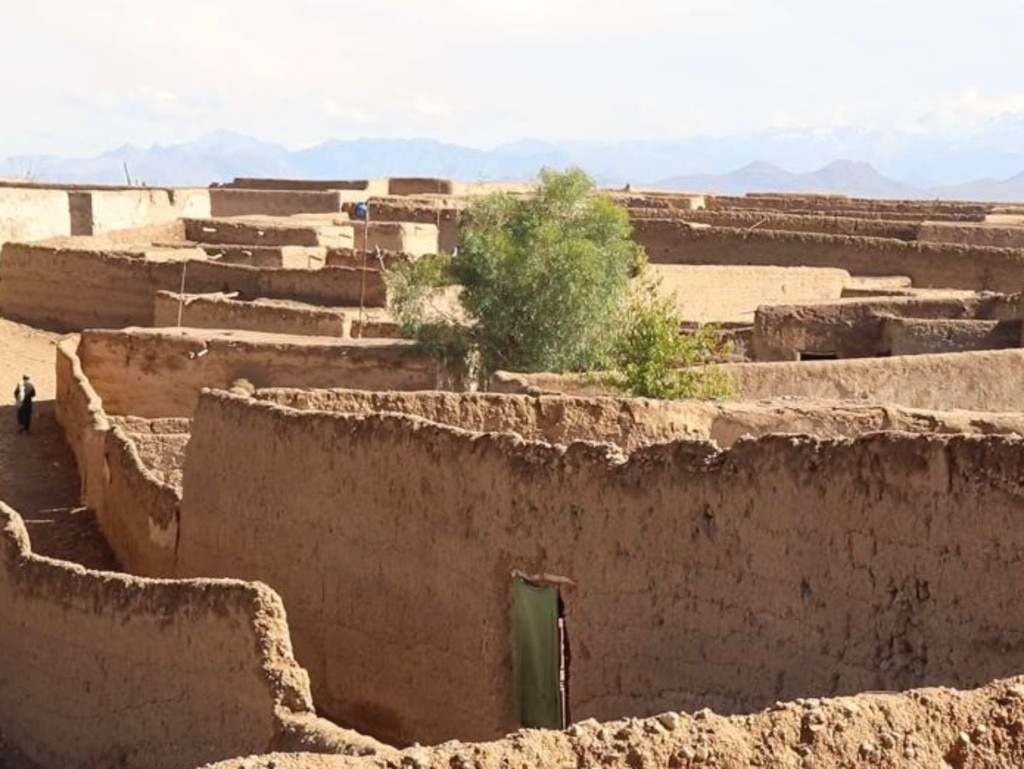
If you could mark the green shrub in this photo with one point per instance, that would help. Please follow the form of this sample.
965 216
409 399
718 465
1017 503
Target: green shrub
545 285
654 359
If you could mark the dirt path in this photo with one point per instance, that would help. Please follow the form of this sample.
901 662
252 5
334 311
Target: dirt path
38 477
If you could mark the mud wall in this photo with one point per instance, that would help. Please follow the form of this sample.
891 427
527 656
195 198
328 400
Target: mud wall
780 568
217 311
160 444
910 336
94 212
293 257
266 231
109 670
929 265
719 294
769 201
629 423
79 411
139 515
33 214
136 509
854 328
761 220
67 289
366 186
976 235
420 186
246 202
921 728
632 423
445 215
977 381
157 373
398 237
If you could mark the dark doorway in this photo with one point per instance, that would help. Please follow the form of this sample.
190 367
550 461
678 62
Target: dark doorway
539 655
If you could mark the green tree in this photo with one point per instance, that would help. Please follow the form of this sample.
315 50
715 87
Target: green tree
544 285
654 359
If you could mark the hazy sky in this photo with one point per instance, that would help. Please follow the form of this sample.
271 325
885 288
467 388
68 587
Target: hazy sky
81 76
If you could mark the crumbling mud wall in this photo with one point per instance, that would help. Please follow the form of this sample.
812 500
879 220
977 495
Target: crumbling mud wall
721 294
136 505
156 373
922 728
632 423
626 422
911 336
854 328
160 444
929 265
33 214
110 670
977 381
783 567
139 514
68 289
79 411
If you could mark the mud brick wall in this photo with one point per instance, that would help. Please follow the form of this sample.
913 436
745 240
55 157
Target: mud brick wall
111 670
929 265
783 567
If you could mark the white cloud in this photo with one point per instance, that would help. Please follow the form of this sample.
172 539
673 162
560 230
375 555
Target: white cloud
94 74
963 113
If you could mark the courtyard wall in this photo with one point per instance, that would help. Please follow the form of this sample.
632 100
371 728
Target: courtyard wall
101 669
67 289
929 265
783 567
33 214
158 372
724 294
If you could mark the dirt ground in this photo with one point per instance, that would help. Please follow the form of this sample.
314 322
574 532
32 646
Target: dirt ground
38 477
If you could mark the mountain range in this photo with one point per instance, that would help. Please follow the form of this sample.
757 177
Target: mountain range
986 167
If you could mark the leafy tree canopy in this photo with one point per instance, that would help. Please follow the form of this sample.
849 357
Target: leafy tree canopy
545 285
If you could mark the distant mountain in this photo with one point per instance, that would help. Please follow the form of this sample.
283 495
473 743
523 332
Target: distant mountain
1006 190
887 165
218 157
841 176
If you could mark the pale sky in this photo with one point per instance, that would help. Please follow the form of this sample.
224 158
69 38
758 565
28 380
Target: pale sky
83 76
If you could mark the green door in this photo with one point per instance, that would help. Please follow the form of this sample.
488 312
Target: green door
537 655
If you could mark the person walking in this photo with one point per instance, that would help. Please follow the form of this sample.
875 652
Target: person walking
24 394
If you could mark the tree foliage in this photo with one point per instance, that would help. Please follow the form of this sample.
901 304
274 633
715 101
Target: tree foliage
653 359
545 284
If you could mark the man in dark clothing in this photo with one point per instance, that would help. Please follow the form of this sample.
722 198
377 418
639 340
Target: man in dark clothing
23 395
